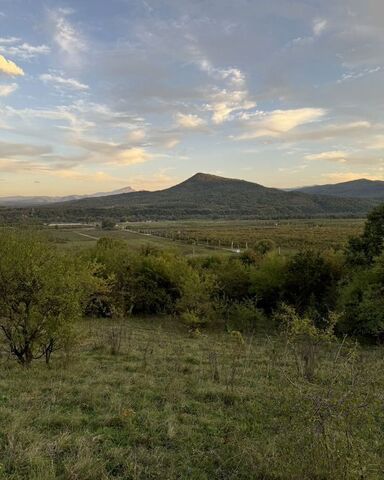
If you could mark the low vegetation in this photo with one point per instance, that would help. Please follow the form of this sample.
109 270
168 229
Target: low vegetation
258 365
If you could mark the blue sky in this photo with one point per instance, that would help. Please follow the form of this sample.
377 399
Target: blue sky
96 95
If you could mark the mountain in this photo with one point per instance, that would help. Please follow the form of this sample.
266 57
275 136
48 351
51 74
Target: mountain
33 201
361 188
207 196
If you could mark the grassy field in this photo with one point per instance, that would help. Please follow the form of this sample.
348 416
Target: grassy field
145 399
289 235
207 237
87 237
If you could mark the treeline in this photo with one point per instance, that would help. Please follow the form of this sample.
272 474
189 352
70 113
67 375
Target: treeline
43 291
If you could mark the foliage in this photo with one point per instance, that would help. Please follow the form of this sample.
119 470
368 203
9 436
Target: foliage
246 317
41 295
362 302
268 281
362 250
311 283
108 224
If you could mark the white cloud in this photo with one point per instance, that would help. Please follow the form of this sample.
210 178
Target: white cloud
6 90
377 143
354 75
24 51
59 81
225 102
189 121
113 153
8 67
171 143
278 122
319 25
65 35
137 135
9 40
131 156
332 156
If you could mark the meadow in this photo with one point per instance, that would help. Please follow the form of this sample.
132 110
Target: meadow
126 354
204 237
146 399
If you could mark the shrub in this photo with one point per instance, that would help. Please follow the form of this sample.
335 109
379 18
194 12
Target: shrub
362 303
245 317
41 296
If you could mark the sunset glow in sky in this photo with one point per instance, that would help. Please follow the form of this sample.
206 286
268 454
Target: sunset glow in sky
96 95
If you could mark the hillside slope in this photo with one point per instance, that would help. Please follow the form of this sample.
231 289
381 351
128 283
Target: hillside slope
361 188
208 196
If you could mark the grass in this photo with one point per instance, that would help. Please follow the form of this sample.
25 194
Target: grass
218 236
86 237
289 235
174 405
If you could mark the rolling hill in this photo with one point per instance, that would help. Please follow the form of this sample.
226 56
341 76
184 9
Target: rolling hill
207 196
361 188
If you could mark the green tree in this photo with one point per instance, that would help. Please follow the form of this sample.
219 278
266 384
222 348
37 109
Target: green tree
362 250
108 224
311 283
362 302
41 296
268 280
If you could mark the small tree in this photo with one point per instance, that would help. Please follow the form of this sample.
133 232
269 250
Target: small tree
108 224
41 294
362 250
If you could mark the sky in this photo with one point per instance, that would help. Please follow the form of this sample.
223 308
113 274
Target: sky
96 95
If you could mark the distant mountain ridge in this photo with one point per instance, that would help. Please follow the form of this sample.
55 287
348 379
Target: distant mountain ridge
20 200
208 196
361 188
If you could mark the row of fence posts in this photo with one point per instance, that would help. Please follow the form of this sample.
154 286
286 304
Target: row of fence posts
233 246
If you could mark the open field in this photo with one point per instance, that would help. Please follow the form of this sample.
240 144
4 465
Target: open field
289 235
207 237
173 405
87 237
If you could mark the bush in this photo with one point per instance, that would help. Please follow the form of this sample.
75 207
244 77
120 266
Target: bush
268 280
362 303
41 296
311 283
245 317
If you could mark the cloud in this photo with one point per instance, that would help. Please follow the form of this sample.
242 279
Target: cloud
113 153
6 90
65 35
189 121
24 51
328 132
7 67
225 102
60 82
377 143
10 150
278 122
131 156
136 135
319 25
354 75
9 40
332 156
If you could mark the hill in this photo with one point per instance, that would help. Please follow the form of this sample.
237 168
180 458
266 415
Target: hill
207 196
20 200
361 188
